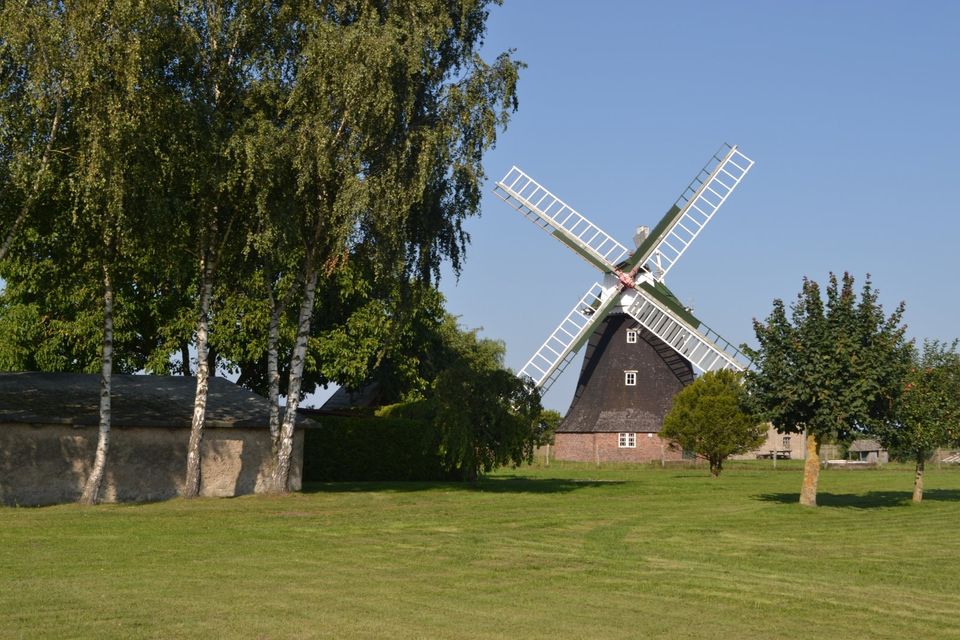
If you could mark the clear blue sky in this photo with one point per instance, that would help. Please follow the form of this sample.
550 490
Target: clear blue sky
850 110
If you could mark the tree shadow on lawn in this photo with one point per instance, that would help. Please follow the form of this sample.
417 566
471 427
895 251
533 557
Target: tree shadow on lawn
869 500
500 484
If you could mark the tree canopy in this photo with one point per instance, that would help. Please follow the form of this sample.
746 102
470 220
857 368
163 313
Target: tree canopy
926 415
488 416
710 417
830 369
216 170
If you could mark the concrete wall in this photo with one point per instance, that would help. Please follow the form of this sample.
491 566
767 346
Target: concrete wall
589 447
48 464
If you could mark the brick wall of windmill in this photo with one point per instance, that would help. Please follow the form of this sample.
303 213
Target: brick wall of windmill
588 447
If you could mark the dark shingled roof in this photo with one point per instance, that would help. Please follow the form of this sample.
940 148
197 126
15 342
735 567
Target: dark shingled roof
343 399
603 403
136 401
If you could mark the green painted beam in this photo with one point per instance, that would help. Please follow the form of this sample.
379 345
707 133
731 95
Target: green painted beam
568 240
659 292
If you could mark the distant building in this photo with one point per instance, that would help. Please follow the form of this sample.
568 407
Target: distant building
49 426
785 446
865 450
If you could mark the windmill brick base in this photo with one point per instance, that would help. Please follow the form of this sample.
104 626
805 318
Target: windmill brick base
610 419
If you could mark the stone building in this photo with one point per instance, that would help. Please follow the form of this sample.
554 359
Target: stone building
49 427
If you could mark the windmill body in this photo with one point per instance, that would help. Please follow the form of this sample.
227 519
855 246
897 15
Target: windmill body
642 344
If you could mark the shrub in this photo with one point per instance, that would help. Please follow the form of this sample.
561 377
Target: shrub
341 449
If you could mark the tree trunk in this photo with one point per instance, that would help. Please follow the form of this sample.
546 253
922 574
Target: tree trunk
191 485
273 373
91 490
918 482
185 358
811 472
281 470
715 467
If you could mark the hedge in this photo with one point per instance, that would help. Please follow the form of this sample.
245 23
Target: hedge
340 449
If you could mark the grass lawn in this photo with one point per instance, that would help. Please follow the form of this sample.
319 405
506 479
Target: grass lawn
568 551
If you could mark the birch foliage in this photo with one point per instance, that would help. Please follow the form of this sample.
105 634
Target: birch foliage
383 112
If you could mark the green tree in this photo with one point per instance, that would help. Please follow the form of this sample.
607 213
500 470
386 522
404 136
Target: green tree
830 370
381 113
710 418
111 90
33 105
221 44
926 416
488 417
547 426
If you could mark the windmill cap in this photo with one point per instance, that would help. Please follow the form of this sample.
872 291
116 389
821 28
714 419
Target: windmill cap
640 235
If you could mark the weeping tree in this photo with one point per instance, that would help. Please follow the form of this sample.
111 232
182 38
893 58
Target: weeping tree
487 416
283 144
378 115
830 369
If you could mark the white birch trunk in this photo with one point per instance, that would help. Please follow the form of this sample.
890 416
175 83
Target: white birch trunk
281 470
191 485
91 490
273 373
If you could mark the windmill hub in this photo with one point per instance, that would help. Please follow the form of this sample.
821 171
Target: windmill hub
625 279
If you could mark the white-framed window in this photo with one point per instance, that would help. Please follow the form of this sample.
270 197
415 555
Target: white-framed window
630 378
631 336
786 442
627 441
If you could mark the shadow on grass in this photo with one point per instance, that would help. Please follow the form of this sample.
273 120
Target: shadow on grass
500 484
869 500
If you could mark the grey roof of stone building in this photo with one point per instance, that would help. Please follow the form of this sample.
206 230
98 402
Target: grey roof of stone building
136 401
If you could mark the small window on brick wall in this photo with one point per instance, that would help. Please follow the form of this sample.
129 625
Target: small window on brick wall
630 378
628 441
631 336
786 442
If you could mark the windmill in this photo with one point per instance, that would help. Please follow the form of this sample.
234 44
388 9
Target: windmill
669 339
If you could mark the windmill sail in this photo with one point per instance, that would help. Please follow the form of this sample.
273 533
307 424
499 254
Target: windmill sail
555 354
692 211
560 220
689 337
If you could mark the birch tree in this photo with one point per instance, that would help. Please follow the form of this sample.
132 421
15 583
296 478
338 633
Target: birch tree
109 84
384 112
119 83
832 371
220 40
